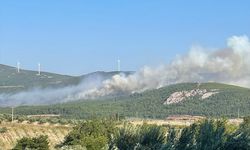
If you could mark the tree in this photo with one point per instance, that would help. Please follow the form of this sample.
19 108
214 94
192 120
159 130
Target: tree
127 137
241 138
151 137
171 139
187 140
38 143
212 135
94 135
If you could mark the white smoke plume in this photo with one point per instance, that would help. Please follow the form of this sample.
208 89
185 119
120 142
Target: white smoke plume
227 65
39 96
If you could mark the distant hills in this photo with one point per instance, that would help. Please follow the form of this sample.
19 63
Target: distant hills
13 82
205 99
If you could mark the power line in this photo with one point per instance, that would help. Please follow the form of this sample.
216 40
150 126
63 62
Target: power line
238 112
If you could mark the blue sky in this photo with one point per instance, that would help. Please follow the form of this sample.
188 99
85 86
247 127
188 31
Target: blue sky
77 37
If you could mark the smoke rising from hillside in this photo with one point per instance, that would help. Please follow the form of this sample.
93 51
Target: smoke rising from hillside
227 65
41 96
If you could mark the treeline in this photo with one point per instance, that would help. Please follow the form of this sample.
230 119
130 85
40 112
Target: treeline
39 120
106 134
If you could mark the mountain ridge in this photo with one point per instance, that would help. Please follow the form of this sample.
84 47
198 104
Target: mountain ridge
12 82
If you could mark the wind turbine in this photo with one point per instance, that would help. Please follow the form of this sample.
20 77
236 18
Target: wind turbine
39 69
18 67
118 65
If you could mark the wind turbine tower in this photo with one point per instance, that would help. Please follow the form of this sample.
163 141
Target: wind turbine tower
118 65
18 67
39 69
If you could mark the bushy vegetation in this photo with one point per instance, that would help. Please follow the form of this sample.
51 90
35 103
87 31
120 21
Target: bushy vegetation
208 134
145 137
93 135
37 143
39 120
3 130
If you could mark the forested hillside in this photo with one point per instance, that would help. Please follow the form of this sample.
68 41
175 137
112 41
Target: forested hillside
230 101
11 81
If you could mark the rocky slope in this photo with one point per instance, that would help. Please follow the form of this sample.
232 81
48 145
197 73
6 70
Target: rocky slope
181 96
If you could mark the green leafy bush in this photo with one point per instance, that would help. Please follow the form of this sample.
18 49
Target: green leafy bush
3 130
127 137
94 135
37 143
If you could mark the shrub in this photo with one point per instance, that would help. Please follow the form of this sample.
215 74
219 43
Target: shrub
241 138
127 137
151 137
38 143
206 135
94 135
42 120
3 130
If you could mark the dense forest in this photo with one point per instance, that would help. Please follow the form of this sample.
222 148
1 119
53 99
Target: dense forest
231 101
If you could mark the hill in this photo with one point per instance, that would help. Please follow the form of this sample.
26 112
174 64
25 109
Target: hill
12 82
228 101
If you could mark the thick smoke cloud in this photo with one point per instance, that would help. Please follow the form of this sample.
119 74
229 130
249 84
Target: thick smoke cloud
40 96
227 65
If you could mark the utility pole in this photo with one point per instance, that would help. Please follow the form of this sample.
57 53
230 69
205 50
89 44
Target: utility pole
12 114
238 113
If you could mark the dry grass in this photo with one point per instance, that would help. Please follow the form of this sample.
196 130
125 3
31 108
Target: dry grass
177 122
16 131
57 132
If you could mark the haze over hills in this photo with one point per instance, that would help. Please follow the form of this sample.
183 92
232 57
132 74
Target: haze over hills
65 93
198 65
27 87
11 80
228 101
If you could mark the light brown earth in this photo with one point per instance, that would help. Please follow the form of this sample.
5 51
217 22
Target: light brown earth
16 131
177 121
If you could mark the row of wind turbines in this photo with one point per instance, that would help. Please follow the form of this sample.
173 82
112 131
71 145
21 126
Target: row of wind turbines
18 68
39 67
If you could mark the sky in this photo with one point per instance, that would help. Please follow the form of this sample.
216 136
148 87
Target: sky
78 37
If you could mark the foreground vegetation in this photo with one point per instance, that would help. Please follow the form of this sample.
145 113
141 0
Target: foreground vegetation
10 133
207 134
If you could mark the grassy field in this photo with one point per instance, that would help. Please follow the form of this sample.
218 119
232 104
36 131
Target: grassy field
15 131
